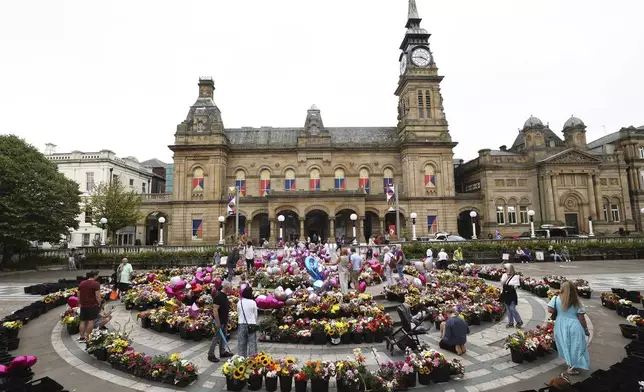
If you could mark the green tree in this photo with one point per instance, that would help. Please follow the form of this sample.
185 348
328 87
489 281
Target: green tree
37 203
112 202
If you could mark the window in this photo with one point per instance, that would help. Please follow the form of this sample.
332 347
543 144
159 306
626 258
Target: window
289 180
240 182
387 179
614 212
131 182
197 229
512 215
339 180
500 215
264 182
314 180
430 177
197 180
432 224
421 112
143 187
428 107
523 214
364 181
85 239
88 215
89 181
115 177
642 152
605 211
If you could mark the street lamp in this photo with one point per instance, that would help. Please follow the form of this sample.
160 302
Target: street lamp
281 221
353 218
531 215
103 222
413 216
221 220
590 227
473 215
161 222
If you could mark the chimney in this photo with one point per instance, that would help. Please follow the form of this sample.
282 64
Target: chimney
503 148
206 87
50 149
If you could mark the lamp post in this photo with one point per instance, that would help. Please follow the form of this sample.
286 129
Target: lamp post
473 215
280 219
531 215
590 227
161 222
413 217
103 222
353 218
221 220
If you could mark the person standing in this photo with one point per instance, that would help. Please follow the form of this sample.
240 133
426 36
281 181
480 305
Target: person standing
71 261
510 281
89 300
400 263
390 264
571 329
247 317
356 266
442 259
124 275
344 271
221 312
458 256
231 262
249 254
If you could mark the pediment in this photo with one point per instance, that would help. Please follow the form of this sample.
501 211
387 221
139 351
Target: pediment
571 157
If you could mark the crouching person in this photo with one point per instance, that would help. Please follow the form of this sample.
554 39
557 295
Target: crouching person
454 332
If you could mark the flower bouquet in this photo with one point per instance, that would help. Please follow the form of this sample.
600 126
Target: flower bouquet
301 380
287 368
319 372
235 371
185 372
439 365
12 328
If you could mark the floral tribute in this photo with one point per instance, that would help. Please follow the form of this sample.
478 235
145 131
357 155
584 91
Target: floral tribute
527 345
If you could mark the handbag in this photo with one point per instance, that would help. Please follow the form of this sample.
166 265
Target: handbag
553 315
252 328
506 288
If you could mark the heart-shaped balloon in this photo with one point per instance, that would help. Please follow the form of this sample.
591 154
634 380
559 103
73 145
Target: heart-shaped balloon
207 279
4 370
169 291
18 363
72 301
193 282
180 285
218 282
363 287
174 280
180 296
280 258
31 360
423 279
194 311
151 278
209 270
334 282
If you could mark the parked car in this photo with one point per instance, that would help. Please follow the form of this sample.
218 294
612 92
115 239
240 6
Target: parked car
446 237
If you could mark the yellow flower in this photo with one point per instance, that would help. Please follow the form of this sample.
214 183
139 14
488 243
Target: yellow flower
174 357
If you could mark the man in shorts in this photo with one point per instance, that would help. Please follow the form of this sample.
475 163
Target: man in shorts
89 299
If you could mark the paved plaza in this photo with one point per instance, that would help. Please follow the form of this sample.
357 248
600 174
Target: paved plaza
488 365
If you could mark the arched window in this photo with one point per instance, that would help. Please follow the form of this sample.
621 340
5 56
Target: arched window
512 211
500 211
314 180
421 111
428 106
387 178
614 209
240 182
289 180
339 180
364 181
430 177
197 180
605 204
264 182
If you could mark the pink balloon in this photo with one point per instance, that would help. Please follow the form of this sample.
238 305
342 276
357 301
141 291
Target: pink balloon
208 279
180 295
4 370
377 268
194 311
193 282
169 291
280 257
151 278
181 285
279 305
290 270
199 279
72 301
423 279
258 264
31 360
209 270
363 287
18 363
325 274
375 254
334 282
218 282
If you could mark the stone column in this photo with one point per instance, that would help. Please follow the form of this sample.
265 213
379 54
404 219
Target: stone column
549 201
553 180
592 204
382 226
598 199
364 224
249 225
332 229
271 229
302 236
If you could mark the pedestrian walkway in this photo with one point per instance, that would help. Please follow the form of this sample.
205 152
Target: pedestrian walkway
15 292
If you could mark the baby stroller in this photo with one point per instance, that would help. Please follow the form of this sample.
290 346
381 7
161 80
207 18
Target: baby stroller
409 331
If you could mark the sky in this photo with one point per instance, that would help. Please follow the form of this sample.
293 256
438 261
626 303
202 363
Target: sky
120 75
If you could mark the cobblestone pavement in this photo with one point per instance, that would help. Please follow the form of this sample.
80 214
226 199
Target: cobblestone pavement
488 366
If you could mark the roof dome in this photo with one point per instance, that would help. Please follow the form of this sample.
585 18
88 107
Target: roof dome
532 122
573 122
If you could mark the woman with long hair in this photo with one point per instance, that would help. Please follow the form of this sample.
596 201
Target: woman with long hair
510 281
570 328
247 319
343 270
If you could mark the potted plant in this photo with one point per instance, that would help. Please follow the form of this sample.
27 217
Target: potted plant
318 333
272 371
287 369
12 328
144 319
185 372
357 332
347 376
300 381
234 369
515 343
70 319
332 333
440 366
319 372
456 368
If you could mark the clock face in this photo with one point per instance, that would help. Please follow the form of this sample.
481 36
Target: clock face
421 57
403 64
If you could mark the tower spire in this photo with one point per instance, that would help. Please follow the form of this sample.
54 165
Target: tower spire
413 10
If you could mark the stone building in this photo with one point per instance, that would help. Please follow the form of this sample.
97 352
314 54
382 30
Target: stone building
316 176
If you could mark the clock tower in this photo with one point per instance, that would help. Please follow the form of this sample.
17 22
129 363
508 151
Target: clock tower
425 143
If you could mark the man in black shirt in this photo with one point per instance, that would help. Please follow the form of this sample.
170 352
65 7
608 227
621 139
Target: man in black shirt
231 262
221 309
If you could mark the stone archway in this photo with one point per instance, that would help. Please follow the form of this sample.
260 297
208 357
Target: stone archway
390 224
344 226
464 224
260 228
153 228
290 226
573 212
316 225
229 229
371 227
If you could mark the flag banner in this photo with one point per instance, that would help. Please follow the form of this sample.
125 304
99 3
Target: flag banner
264 187
314 184
240 185
387 182
197 184
432 224
339 184
364 184
391 194
430 181
290 185
232 204
197 229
